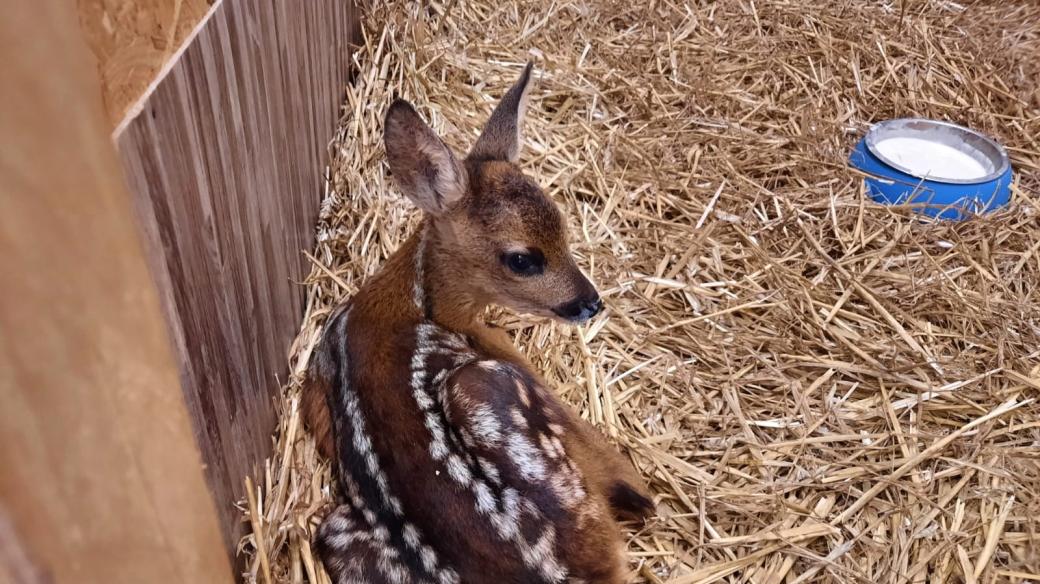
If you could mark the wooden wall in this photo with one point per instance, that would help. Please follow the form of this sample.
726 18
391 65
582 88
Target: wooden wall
131 40
101 481
225 159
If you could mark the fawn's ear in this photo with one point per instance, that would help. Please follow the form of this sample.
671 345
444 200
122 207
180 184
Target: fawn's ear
423 166
500 139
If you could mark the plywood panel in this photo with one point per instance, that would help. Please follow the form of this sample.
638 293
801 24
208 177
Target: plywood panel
131 40
225 159
100 477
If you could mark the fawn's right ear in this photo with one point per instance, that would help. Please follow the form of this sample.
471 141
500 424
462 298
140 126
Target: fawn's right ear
423 166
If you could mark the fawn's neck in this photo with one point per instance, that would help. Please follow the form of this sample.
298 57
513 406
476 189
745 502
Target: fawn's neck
437 288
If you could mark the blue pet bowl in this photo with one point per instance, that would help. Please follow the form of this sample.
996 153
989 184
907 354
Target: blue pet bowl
944 170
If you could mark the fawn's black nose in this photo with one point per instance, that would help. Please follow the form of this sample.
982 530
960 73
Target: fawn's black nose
581 309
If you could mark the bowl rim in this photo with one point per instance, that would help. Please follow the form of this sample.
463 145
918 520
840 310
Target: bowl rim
1001 164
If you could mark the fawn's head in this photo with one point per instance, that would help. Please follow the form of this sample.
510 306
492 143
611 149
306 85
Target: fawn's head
506 240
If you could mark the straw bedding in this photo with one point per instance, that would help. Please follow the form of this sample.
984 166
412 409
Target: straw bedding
818 389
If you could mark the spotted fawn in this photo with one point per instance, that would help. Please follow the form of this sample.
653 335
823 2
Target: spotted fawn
456 463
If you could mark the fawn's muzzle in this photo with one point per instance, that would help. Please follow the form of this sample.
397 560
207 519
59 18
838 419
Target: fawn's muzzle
580 309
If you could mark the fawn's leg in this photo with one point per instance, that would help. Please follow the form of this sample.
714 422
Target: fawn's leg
607 470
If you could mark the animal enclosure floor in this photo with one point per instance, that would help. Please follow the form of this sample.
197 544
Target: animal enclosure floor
818 389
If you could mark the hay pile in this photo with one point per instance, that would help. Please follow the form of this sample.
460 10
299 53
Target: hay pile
817 389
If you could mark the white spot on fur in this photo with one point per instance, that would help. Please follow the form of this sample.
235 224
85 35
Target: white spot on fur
568 488
393 571
438 448
411 535
547 446
524 392
526 458
485 425
558 446
418 376
571 466
433 423
337 521
355 570
485 498
424 400
429 558
458 470
542 556
518 418
339 540
456 342
491 471
489 365
507 523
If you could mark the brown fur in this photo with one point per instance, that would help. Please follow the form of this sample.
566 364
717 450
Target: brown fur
575 490
315 412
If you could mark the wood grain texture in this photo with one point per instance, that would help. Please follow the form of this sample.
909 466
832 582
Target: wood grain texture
131 40
100 477
225 160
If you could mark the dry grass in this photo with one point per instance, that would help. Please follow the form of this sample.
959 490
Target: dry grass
817 388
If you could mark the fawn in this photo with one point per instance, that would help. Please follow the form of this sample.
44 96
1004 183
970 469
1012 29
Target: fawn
456 462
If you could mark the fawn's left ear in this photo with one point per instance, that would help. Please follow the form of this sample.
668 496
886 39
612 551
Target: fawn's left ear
424 168
500 139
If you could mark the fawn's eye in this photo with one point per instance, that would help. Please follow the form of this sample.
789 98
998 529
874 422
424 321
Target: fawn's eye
530 263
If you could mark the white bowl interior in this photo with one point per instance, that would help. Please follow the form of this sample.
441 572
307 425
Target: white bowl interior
937 151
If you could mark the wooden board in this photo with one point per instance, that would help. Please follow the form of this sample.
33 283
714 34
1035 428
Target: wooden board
226 161
131 40
101 480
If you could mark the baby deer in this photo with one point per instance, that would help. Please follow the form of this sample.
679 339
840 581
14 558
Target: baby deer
457 464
